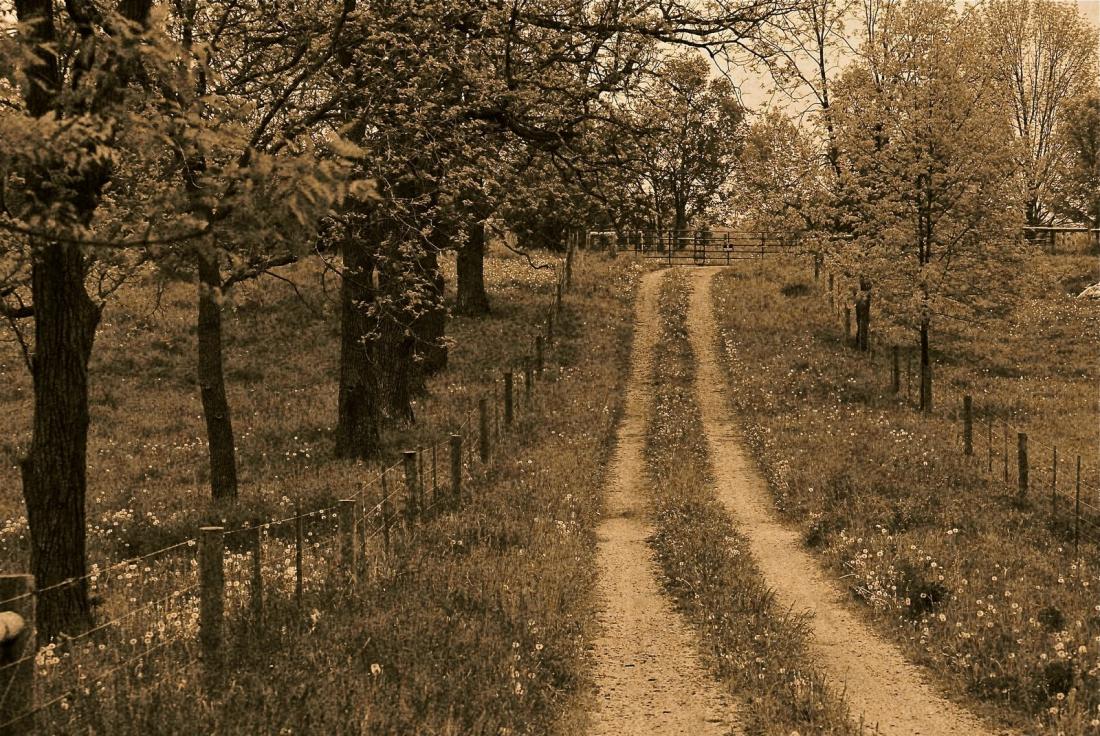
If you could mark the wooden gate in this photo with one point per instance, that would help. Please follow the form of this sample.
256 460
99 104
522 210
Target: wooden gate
713 247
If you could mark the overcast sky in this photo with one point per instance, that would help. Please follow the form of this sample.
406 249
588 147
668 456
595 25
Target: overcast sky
757 90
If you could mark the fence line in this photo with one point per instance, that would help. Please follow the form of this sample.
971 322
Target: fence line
25 669
1028 479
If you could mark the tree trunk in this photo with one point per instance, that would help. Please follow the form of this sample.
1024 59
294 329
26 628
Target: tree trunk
55 470
211 374
472 299
394 349
925 369
430 327
357 423
679 224
863 316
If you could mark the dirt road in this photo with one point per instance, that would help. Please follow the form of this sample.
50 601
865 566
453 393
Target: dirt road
648 675
879 682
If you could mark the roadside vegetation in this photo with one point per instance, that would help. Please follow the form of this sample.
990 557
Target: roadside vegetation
475 621
978 584
758 649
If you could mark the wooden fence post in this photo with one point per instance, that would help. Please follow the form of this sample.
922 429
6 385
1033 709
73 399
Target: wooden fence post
989 445
968 426
1021 462
421 478
435 478
1077 513
508 398
211 594
538 355
299 543
483 429
847 324
257 584
528 379
895 384
384 505
362 514
456 469
345 520
1054 486
18 644
411 507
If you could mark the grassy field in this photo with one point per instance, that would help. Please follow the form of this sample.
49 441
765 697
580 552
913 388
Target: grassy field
978 584
757 648
475 622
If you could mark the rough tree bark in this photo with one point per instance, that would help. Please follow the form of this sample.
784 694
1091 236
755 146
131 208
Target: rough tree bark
54 470
472 298
357 424
211 375
430 327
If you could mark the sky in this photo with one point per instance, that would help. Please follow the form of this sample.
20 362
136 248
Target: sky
757 90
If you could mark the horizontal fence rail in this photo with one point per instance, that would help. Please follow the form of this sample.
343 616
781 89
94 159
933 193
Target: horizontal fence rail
700 247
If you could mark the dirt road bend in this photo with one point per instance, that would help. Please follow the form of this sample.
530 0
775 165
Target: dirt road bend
648 675
879 682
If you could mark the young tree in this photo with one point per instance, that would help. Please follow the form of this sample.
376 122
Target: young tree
91 188
263 85
1044 54
698 119
1078 192
927 159
780 180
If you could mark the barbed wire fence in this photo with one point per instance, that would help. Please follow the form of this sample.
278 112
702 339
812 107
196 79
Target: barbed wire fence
163 619
1055 484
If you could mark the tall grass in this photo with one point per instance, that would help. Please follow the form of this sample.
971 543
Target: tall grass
475 622
757 647
980 587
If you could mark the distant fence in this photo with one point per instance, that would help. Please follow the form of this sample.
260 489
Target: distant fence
177 602
699 247
1064 239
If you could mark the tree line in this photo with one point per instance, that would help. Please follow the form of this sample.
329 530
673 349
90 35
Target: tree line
220 140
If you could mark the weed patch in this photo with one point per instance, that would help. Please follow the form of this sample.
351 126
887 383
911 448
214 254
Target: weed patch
954 567
756 646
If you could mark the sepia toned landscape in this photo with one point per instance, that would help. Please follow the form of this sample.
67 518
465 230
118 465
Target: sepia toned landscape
550 367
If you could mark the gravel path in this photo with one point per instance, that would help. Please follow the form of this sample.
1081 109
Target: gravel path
648 674
879 682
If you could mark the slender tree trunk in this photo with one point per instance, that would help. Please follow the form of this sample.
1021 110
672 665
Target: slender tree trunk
472 298
863 316
54 470
679 225
925 369
431 326
211 374
358 417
